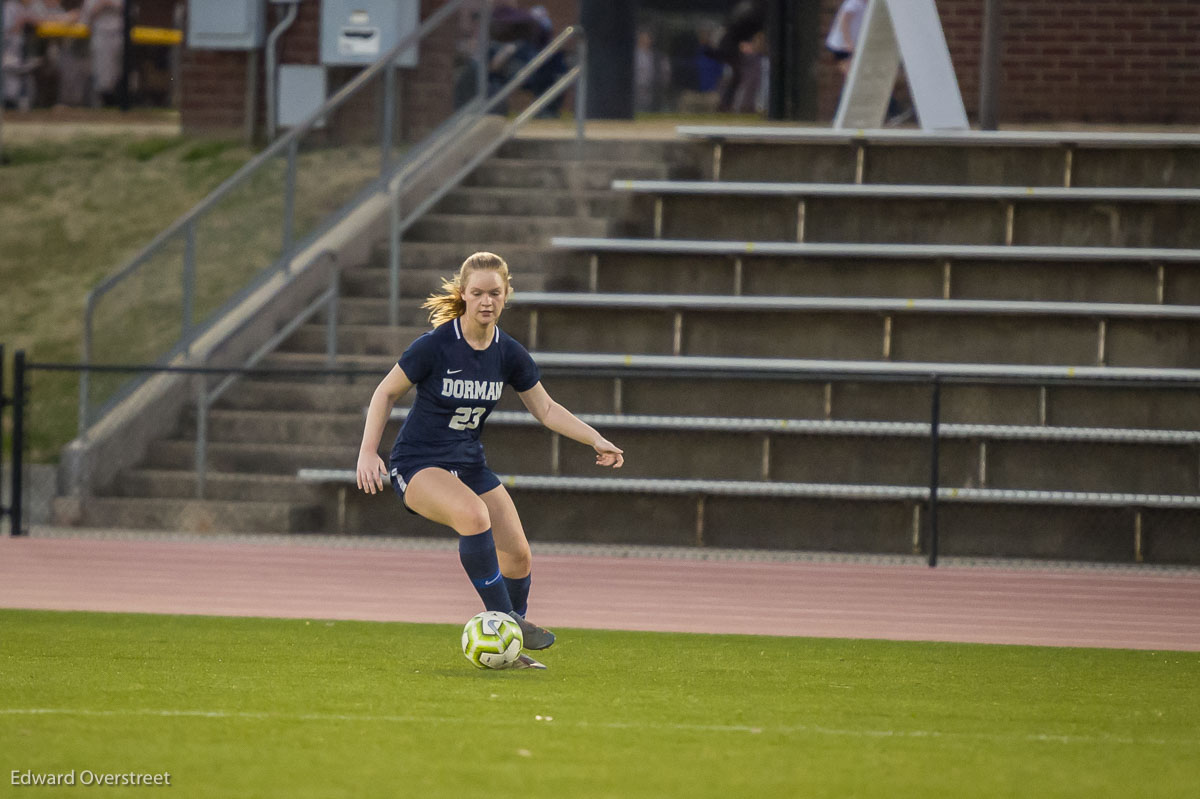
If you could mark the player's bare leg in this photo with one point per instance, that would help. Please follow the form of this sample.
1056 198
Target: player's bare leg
512 549
441 497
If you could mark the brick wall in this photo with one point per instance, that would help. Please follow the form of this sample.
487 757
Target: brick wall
214 82
1128 61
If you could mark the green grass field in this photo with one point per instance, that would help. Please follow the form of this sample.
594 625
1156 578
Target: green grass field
294 708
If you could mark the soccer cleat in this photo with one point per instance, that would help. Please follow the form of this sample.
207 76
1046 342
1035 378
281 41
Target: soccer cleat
535 637
523 661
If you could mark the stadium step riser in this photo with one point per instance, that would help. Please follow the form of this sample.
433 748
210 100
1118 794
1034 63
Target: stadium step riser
202 516
984 461
865 277
536 174
564 204
920 221
530 262
264 459
967 166
675 152
415 283
831 525
378 340
226 487
866 335
496 231
374 311
1062 404
311 396
862 460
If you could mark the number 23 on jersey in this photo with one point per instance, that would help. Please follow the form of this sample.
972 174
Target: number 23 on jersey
466 418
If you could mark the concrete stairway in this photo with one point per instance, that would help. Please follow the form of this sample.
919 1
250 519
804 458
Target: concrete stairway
265 429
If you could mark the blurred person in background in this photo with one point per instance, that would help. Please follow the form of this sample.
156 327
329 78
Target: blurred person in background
53 51
651 73
17 90
517 37
106 19
842 41
694 74
734 49
750 92
843 33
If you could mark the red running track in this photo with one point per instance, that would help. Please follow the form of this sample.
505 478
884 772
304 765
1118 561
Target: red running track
1129 608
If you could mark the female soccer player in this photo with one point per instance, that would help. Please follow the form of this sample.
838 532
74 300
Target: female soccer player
437 463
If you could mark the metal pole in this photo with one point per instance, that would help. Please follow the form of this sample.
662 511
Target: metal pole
85 376
2 158
331 320
388 122
394 262
989 65
189 281
201 436
289 199
581 90
273 70
250 101
3 401
18 445
481 58
934 439
126 54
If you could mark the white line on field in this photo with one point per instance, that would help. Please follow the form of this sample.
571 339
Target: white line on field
785 729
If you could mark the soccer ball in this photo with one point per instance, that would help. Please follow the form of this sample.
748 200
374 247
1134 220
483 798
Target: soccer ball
492 640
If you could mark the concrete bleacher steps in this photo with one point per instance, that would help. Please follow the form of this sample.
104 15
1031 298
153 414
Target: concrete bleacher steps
789 450
826 517
850 329
520 174
200 515
239 486
1024 471
425 264
979 215
1004 158
583 267
846 399
500 229
1001 338
504 201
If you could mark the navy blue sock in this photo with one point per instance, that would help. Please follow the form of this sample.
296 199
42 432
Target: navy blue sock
478 555
518 592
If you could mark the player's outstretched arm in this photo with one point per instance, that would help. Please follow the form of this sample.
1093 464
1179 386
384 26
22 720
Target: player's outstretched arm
563 422
371 468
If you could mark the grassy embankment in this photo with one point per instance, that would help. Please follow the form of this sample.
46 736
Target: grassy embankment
75 209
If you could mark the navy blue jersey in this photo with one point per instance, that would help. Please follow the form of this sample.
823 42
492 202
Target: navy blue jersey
457 388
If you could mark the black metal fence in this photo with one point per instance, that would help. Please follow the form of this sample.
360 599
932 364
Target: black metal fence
1157 484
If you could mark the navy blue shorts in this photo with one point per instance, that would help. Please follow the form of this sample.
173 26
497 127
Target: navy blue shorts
479 479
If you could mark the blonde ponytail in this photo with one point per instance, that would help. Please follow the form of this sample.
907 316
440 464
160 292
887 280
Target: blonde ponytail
449 304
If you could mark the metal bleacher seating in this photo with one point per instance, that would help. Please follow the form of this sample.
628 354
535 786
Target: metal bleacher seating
763 343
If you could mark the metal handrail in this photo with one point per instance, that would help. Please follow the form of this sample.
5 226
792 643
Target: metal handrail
205 397
186 224
577 74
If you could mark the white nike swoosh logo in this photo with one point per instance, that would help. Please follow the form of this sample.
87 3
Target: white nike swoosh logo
491 581
453 371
